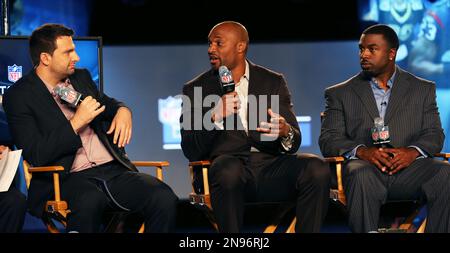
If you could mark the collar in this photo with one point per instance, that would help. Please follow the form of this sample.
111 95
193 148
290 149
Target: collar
390 82
247 71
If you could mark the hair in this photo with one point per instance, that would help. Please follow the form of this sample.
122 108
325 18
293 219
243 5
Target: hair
388 33
43 40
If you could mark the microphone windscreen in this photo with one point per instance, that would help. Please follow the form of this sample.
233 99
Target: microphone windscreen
71 96
226 79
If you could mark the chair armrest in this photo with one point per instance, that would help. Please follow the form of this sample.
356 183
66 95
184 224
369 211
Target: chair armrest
151 163
200 163
446 156
46 169
158 164
334 159
55 170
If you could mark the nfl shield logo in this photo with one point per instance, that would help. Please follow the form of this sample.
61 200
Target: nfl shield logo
169 110
375 136
384 135
226 78
14 73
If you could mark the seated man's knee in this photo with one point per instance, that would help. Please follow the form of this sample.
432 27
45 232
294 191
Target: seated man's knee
90 202
165 198
15 201
227 171
317 169
21 203
356 168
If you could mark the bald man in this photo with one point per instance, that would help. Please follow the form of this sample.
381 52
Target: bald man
251 143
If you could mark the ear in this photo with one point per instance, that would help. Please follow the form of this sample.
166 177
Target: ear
392 53
45 58
241 46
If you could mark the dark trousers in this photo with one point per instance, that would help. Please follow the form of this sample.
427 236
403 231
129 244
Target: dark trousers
12 210
367 188
91 192
304 179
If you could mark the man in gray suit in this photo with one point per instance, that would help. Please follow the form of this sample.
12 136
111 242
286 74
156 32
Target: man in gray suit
372 174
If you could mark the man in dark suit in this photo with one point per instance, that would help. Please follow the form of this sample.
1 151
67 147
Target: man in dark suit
87 140
252 157
372 174
12 206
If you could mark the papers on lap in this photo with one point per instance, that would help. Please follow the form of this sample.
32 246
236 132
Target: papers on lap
8 167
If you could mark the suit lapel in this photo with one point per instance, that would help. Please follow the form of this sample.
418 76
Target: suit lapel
399 91
47 101
217 87
365 94
255 85
254 80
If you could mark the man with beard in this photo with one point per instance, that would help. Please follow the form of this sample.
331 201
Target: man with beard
256 160
373 175
87 139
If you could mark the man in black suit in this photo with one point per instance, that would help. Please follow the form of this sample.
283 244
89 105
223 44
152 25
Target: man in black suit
12 207
373 174
87 140
253 158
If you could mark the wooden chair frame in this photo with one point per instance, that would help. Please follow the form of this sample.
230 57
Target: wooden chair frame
203 200
339 195
58 209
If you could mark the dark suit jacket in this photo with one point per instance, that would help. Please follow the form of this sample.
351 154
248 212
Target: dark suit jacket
39 127
412 115
208 144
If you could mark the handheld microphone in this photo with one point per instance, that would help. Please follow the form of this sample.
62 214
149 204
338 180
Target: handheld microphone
226 79
69 95
380 133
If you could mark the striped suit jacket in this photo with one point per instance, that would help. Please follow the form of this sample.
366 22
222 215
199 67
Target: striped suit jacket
412 115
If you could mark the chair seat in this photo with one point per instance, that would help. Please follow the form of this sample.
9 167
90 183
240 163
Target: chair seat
201 198
56 210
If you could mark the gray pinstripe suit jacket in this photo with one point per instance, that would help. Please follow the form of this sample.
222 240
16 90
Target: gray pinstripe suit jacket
412 115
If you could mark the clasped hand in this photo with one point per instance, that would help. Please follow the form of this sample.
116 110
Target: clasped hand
388 160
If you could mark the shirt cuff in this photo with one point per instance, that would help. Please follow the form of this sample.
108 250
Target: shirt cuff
422 153
219 124
288 141
352 153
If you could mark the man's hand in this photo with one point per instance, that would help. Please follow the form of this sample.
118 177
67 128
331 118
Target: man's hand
378 156
276 128
122 125
86 112
229 104
403 157
2 149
